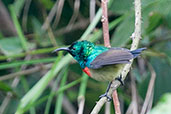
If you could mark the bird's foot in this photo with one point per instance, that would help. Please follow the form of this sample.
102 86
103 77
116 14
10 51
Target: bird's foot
105 95
120 80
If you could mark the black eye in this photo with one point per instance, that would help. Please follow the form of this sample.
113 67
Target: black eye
74 48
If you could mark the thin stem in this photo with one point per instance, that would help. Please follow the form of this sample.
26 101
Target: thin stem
105 23
134 95
51 95
116 102
18 28
58 107
81 95
25 72
58 13
49 18
32 52
150 91
75 15
107 108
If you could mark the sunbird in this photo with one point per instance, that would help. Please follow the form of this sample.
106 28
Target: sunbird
99 62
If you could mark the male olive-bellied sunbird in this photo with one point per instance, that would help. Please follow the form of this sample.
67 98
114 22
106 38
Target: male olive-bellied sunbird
99 62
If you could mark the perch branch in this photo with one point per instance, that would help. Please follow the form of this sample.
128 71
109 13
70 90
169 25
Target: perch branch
116 102
105 23
107 44
136 36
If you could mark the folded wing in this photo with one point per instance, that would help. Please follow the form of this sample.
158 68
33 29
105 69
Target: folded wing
112 56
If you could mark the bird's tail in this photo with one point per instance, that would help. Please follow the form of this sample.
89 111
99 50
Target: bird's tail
137 52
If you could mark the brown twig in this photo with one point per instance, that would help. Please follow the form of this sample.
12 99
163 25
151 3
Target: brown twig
6 24
129 110
116 102
136 36
82 24
134 95
74 16
58 12
107 44
24 72
105 23
49 18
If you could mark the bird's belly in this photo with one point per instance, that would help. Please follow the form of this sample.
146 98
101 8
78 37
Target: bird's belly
106 73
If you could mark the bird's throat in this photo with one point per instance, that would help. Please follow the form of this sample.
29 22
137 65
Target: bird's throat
87 71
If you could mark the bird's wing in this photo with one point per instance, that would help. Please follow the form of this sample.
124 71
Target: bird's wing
112 56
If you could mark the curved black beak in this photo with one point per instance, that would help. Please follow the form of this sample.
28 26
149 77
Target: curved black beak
60 49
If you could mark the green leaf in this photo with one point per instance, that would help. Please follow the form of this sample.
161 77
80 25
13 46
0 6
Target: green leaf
121 6
18 6
162 83
161 7
155 20
123 32
40 35
11 46
32 52
168 18
44 98
164 8
51 95
39 87
26 62
58 107
37 29
47 3
5 87
83 86
18 28
163 107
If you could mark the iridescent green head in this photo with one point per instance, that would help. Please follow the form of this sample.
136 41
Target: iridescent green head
80 50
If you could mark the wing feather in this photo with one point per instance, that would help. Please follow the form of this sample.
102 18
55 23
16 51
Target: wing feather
112 56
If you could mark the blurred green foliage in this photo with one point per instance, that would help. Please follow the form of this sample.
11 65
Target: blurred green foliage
14 48
163 106
44 88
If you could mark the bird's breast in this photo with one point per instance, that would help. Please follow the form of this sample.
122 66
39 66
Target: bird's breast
107 73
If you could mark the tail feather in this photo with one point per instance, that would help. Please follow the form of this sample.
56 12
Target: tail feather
137 52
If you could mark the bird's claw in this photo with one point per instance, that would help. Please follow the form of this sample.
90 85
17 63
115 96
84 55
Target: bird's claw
105 95
120 80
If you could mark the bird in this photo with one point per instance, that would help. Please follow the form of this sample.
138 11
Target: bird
99 62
